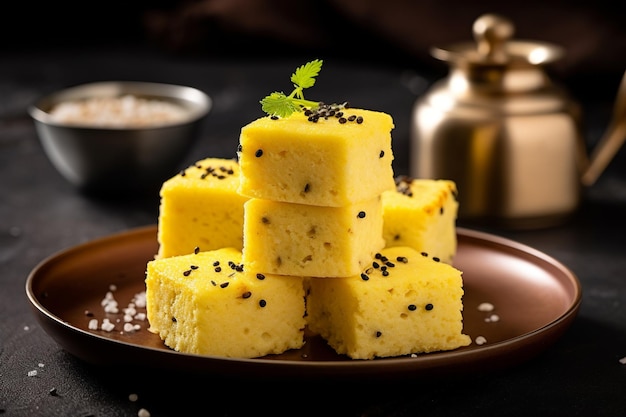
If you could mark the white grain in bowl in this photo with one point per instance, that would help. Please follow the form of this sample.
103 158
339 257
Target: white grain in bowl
123 111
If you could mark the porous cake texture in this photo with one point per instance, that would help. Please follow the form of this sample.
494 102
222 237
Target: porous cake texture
306 240
403 303
206 303
322 163
200 207
422 213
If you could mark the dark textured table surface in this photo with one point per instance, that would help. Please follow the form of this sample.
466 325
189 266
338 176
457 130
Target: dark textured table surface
40 214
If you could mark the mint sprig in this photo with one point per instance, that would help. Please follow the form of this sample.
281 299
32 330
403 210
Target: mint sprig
282 105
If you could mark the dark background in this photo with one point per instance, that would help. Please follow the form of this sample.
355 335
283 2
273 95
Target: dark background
214 45
391 32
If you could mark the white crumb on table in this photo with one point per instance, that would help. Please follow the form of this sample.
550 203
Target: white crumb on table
623 360
143 413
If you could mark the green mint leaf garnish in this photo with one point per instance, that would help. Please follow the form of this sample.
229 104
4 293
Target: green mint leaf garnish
282 105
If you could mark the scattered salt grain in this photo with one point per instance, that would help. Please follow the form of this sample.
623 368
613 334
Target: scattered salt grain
111 308
480 340
109 303
492 318
485 307
143 413
623 360
32 373
107 326
140 299
129 327
26 328
133 397
41 365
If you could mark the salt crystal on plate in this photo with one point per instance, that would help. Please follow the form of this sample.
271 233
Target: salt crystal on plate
140 299
485 307
492 318
128 327
107 326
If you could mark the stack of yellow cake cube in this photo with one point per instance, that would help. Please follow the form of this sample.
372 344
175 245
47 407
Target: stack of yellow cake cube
315 191
360 259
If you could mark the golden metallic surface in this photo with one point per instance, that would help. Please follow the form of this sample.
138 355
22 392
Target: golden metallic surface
499 127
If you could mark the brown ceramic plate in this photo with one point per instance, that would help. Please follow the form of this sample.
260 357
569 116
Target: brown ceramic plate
535 297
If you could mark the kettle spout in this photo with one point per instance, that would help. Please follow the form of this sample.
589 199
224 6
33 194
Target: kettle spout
611 141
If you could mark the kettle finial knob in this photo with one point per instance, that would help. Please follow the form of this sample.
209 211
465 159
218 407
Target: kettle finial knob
492 32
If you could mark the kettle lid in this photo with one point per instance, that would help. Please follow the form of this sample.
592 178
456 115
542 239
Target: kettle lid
493 46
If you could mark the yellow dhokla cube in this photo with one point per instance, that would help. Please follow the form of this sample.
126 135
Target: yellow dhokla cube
403 303
323 163
304 240
422 213
208 304
200 207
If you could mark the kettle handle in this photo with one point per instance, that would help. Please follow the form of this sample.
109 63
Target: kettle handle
611 141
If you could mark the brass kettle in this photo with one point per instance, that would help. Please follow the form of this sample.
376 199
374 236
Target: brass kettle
508 136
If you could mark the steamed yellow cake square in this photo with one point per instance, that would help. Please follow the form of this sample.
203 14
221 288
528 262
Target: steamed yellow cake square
200 207
321 163
422 213
402 303
304 240
209 304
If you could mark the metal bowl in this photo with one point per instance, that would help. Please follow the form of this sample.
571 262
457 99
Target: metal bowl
119 158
